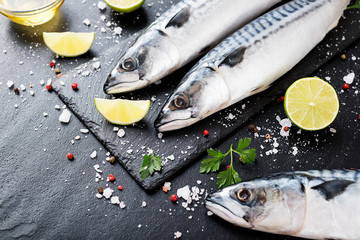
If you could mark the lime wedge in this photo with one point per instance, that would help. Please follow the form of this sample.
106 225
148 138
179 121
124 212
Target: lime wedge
122 112
125 6
311 103
69 44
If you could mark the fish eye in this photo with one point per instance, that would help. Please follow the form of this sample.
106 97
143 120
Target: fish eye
180 102
244 194
129 64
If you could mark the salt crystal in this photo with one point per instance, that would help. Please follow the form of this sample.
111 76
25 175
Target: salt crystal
103 30
45 114
62 83
122 205
42 82
209 213
77 138
93 154
115 200
87 22
349 78
96 65
22 87
57 107
65 116
167 185
333 130
117 30
103 17
97 168
107 193
21 62
101 5
143 204
99 196
177 234
198 182
84 130
31 72
10 84
121 133
171 157
32 93
129 151
231 116
184 192
160 135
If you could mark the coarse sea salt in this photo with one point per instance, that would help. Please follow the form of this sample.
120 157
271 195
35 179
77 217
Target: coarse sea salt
65 116
349 79
108 192
121 133
93 154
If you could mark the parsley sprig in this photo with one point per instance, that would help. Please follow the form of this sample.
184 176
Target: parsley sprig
356 5
150 164
229 176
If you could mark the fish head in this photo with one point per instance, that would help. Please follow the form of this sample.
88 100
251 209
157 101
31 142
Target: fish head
270 206
145 62
201 93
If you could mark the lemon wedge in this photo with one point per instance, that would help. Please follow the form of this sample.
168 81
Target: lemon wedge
125 6
121 111
69 44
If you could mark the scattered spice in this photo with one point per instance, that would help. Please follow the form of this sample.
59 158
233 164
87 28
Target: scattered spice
100 190
267 136
70 156
16 90
343 56
59 75
206 133
286 128
120 188
74 86
112 160
57 70
164 189
173 198
111 177
346 86
253 128
52 64
49 87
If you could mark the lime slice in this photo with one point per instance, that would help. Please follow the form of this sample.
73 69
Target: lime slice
69 44
311 103
125 6
122 112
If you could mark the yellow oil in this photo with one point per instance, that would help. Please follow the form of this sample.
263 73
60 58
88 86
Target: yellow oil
30 12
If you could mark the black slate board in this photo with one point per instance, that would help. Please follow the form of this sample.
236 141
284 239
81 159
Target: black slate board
188 144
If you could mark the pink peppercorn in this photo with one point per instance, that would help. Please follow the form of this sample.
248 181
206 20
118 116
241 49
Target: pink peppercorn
111 177
74 86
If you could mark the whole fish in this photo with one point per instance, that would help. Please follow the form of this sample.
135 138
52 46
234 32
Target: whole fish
250 60
187 30
313 204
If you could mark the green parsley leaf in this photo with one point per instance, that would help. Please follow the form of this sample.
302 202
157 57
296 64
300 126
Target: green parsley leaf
149 165
228 177
356 5
212 164
246 155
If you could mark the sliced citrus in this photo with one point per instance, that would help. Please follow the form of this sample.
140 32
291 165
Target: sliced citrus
125 6
311 103
122 112
69 44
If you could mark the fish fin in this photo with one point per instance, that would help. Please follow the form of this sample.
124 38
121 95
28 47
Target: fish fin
333 188
180 18
260 89
234 57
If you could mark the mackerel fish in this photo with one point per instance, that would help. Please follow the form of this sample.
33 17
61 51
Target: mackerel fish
186 31
250 60
309 204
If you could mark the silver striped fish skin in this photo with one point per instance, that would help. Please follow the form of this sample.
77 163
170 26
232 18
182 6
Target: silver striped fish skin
308 204
250 60
186 31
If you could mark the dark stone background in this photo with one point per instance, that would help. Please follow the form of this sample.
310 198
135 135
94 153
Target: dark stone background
43 195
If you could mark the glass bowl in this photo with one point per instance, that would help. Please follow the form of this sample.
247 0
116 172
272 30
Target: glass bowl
30 12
